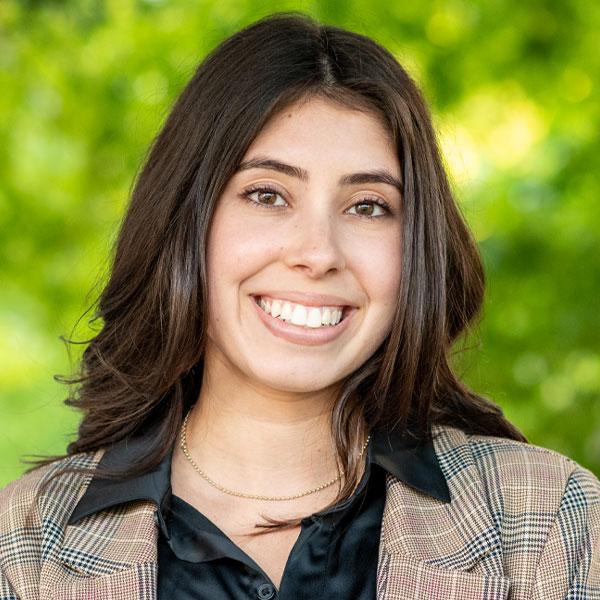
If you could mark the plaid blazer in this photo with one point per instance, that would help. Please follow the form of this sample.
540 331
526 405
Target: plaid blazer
523 523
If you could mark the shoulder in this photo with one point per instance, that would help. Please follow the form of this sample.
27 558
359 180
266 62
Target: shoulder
513 471
34 511
42 499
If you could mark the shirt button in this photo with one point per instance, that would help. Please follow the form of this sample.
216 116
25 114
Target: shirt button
265 591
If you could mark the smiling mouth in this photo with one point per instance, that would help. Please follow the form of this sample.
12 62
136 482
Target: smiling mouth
304 317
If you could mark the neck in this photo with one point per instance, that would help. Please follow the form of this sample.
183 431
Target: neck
261 441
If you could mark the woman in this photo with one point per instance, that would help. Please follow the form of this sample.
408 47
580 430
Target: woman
268 408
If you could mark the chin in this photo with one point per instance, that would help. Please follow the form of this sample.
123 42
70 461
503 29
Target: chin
299 381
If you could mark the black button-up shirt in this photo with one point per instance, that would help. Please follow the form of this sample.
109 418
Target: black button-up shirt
335 555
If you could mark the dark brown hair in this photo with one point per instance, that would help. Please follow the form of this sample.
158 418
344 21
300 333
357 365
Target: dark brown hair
144 366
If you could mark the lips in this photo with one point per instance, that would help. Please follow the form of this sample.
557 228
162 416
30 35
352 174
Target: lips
304 335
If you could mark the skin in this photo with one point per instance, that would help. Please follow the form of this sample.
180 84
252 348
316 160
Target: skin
261 423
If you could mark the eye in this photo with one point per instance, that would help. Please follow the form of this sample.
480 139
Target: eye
265 192
373 204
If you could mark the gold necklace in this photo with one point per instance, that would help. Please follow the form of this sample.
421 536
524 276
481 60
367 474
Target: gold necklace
183 446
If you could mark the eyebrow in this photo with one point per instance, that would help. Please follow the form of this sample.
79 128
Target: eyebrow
372 176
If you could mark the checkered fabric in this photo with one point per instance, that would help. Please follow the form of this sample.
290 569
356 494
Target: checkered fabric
523 523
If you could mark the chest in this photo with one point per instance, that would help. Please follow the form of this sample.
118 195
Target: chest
270 550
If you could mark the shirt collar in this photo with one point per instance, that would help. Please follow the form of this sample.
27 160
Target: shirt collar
414 463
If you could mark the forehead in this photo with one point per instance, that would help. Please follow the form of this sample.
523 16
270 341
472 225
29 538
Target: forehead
321 128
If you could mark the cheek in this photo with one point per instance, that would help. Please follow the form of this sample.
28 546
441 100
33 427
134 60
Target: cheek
237 248
376 263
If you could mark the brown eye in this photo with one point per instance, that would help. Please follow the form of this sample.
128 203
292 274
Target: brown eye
269 197
367 208
370 207
266 197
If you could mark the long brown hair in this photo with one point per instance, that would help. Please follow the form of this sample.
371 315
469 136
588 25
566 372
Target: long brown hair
144 367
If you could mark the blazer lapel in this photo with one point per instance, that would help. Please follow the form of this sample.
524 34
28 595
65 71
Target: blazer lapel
431 550
109 554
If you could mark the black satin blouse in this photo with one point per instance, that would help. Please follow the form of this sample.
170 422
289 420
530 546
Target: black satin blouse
335 555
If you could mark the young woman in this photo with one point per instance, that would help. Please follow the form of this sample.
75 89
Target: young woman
268 409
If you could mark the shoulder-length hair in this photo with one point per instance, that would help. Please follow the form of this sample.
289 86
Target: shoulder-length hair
144 367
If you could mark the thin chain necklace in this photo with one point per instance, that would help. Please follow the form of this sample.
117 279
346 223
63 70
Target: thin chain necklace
183 446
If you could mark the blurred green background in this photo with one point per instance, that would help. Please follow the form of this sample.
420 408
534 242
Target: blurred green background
85 88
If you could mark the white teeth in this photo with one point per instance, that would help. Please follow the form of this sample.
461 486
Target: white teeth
275 308
299 315
314 317
286 312
303 316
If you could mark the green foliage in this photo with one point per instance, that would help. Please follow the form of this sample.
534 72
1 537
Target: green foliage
87 84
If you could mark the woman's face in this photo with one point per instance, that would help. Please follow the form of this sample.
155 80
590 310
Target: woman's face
317 228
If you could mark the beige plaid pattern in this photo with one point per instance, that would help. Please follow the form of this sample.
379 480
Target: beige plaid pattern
524 523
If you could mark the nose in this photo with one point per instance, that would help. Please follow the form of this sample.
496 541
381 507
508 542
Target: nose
314 245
